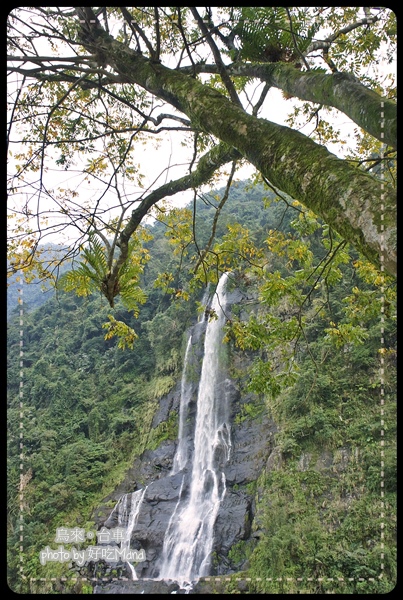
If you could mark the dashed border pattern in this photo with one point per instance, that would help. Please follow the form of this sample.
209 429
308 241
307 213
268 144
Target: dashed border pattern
382 345
212 578
21 436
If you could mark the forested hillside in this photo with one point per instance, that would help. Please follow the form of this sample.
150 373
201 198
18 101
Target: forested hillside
88 405
39 290
214 383
313 340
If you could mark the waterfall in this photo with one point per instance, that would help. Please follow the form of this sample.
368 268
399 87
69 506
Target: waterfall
182 452
128 519
181 455
188 539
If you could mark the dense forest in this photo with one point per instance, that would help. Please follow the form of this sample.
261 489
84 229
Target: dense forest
320 337
214 383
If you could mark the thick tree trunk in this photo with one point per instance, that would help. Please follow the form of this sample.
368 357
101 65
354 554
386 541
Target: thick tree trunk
357 205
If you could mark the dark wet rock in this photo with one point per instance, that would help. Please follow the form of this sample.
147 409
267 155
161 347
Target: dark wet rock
233 521
251 444
151 466
167 403
142 586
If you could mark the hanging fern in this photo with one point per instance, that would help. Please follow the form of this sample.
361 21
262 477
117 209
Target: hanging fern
77 281
265 34
87 277
97 258
93 273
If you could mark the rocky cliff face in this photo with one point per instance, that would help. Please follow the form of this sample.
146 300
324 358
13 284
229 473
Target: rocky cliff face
251 441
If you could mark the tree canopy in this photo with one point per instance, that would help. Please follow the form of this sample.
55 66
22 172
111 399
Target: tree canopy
91 89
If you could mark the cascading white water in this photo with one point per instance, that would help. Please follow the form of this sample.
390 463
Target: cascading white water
127 519
189 540
181 455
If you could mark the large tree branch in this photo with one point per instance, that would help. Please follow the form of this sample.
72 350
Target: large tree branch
357 205
52 59
339 90
207 166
